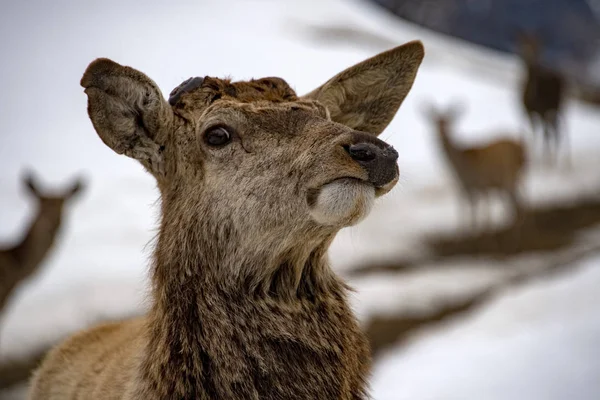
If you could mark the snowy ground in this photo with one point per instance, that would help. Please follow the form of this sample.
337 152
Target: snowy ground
541 341
538 342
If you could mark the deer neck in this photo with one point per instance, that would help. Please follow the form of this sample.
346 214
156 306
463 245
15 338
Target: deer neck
218 331
532 69
38 240
449 147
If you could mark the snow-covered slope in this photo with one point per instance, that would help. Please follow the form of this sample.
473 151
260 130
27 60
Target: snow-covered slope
99 266
540 342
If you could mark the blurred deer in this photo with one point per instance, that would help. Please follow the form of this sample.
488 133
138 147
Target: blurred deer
479 171
542 93
22 260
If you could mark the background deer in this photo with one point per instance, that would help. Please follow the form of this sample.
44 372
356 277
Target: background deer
543 91
22 260
255 183
479 171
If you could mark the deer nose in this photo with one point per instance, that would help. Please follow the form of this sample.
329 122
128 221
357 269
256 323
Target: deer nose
362 152
378 159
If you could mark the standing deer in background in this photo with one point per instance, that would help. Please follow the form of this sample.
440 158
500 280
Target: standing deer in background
255 183
479 171
23 259
542 91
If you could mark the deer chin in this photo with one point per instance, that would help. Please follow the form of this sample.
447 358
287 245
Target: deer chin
380 191
342 202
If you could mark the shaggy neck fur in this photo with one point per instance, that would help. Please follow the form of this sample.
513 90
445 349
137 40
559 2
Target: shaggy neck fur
283 331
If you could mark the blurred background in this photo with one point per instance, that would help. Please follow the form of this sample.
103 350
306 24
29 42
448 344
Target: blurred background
476 278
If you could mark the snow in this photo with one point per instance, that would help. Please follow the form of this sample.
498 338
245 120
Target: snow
534 342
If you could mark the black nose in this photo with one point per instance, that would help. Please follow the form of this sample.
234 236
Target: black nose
378 159
363 152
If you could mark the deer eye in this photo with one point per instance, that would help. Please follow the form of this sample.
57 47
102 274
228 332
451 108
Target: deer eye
217 136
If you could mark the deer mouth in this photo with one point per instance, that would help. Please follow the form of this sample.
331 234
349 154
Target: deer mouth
380 190
385 188
342 201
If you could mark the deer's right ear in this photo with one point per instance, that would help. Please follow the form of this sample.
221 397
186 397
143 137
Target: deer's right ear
429 110
128 112
77 187
455 110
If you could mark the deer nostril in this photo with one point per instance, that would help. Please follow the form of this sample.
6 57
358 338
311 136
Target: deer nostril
392 153
377 158
361 152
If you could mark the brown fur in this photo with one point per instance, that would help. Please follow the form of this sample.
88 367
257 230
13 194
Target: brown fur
497 166
542 94
22 260
244 303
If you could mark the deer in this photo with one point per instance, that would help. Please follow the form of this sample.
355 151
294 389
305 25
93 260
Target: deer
497 166
255 182
23 259
542 95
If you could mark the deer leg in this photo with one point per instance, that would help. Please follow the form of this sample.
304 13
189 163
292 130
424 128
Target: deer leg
537 140
515 203
4 294
485 213
560 138
473 201
466 208
465 220
548 136
529 136
567 148
494 237
518 216
551 134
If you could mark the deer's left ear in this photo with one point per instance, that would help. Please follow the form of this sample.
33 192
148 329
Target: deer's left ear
366 96
31 183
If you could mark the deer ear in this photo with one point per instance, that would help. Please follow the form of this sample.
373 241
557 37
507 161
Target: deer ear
128 112
31 184
76 188
366 96
455 110
429 110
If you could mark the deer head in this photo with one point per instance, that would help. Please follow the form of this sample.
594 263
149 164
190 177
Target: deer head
50 205
443 119
252 165
29 253
528 47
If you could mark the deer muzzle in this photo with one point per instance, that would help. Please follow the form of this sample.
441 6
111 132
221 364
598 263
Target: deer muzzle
377 157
